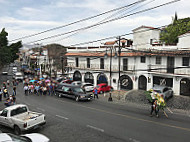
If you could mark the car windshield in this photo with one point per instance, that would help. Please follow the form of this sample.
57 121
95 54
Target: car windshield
97 86
78 90
158 91
16 138
88 85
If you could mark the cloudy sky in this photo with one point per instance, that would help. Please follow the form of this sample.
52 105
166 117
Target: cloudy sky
21 18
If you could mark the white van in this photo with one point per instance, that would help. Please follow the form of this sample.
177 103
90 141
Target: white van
19 76
14 70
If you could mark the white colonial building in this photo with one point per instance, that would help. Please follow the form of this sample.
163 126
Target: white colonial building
142 64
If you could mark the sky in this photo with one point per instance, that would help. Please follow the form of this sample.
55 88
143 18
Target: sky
21 18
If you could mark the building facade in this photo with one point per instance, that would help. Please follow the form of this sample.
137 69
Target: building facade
142 65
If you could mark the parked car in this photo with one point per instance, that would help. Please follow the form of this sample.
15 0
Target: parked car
4 73
164 91
103 87
33 137
88 87
77 83
68 81
72 91
14 70
18 76
19 118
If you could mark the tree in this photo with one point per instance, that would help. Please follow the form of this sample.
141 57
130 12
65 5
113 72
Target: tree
8 53
3 38
179 26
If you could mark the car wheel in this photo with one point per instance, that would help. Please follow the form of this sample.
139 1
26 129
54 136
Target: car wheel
77 98
101 92
17 130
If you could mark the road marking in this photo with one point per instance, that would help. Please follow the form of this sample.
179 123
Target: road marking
169 110
133 140
131 117
62 117
40 109
95 128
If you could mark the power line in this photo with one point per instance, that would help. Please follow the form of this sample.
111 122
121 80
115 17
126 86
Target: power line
82 20
88 27
120 11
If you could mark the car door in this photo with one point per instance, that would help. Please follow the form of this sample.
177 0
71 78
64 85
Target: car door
3 118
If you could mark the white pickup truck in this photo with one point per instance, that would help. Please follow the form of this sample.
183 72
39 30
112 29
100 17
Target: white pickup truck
20 118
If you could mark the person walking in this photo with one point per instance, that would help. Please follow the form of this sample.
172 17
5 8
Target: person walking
95 93
37 87
26 89
14 90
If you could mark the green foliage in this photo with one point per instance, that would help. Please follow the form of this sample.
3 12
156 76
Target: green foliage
8 53
179 26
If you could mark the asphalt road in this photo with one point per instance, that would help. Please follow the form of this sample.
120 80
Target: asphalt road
99 120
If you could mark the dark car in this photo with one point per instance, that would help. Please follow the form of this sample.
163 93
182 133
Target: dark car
103 87
72 91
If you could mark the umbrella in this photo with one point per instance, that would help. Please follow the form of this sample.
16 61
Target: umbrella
41 78
47 80
32 80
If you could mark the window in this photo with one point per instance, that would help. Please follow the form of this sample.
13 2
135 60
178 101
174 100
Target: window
77 62
158 60
143 59
4 113
101 63
88 62
125 64
185 61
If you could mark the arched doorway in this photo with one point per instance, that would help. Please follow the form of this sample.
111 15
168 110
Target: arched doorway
101 78
185 87
77 76
126 83
88 77
142 82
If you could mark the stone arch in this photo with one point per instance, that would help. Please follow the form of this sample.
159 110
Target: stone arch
101 78
88 77
142 84
77 76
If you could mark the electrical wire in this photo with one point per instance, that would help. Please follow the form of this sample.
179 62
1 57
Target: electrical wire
111 20
72 23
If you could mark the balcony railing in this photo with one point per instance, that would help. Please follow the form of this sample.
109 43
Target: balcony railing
97 67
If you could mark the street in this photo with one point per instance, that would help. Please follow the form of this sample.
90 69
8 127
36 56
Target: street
100 120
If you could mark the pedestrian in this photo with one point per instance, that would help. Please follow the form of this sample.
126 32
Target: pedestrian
8 102
95 93
154 108
5 93
1 93
44 90
8 82
14 90
26 89
37 87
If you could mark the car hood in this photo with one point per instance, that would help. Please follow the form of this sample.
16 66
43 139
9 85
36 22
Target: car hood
35 137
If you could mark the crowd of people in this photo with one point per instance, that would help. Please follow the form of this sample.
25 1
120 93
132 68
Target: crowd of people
10 98
39 86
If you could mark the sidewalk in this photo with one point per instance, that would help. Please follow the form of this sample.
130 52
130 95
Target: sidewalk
138 99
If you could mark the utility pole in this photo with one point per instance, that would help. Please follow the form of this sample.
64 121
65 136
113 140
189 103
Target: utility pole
110 97
119 60
62 64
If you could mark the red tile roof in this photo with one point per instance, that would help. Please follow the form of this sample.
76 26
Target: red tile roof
130 54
